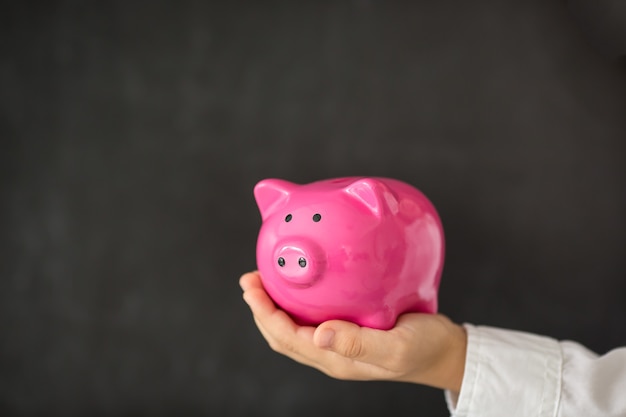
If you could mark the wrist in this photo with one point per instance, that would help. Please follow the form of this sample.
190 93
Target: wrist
447 369
454 365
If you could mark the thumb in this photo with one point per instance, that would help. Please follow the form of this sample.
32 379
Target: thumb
352 341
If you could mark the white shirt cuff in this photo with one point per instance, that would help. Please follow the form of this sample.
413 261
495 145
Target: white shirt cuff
508 373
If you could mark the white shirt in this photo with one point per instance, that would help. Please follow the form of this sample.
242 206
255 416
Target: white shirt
515 374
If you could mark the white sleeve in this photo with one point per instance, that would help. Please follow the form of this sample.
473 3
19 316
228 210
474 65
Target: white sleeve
515 374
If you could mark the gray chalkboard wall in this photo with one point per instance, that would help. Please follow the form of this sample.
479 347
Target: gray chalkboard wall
132 134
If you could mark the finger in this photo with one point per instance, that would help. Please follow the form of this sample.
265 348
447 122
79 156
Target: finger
325 361
250 280
275 325
281 332
289 349
361 344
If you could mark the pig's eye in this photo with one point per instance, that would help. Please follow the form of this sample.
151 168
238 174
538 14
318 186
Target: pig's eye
317 217
288 218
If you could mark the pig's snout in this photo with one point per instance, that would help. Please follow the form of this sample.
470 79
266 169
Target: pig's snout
299 262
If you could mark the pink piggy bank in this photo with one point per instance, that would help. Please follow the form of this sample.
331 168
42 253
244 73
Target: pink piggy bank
359 249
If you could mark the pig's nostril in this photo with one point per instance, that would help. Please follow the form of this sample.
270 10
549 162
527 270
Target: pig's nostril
281 261
302 262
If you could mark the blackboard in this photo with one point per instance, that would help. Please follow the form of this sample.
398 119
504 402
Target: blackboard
133 133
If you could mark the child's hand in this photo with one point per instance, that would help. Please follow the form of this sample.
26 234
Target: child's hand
422 348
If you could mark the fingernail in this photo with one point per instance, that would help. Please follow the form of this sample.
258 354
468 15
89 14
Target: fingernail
326 338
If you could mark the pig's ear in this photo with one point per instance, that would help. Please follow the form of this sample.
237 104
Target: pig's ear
370 193
271 194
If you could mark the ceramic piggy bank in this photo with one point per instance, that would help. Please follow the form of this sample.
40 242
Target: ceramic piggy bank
359 249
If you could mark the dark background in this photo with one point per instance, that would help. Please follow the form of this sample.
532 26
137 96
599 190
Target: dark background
132 134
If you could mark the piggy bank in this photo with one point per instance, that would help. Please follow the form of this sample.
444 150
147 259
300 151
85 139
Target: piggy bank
359 249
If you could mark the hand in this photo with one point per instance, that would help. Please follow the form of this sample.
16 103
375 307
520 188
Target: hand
422 348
